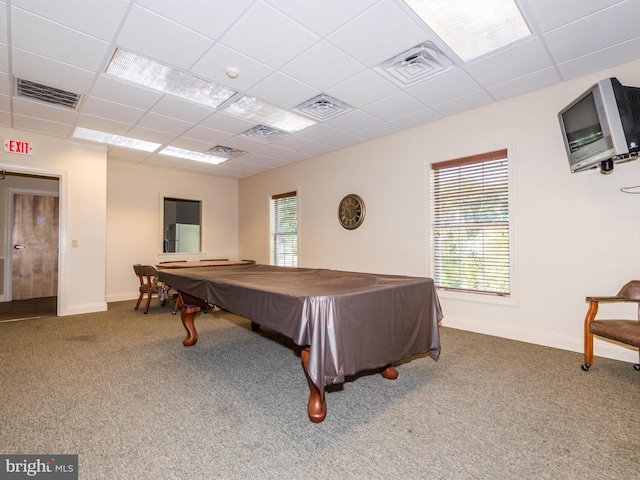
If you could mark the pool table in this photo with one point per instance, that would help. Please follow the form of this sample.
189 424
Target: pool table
346 322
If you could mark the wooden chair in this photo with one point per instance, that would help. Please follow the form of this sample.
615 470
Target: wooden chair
147 274
624 331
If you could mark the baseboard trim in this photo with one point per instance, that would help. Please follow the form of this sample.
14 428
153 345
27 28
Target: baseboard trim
85 308
601 348
121 297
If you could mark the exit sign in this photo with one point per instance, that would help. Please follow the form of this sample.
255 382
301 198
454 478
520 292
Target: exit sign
16 146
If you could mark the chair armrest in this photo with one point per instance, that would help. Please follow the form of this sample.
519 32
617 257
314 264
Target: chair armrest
610 299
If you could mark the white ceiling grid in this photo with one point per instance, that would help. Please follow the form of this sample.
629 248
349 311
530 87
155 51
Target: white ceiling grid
286 52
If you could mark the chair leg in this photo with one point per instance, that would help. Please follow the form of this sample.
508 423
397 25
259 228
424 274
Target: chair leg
139 300
588 336
149 295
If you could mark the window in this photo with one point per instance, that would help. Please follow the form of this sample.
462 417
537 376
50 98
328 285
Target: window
284 229
470 224
181 225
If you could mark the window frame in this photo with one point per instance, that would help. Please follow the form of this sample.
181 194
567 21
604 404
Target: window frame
273 234
512 299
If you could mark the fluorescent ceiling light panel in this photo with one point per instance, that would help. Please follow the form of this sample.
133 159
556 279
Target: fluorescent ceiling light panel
472 28
256 110
149 73
191 155
117 140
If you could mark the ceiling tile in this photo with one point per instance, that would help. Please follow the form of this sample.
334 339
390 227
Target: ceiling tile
378 34
581 37
378 131
111 110
354 121
295 143
3 21
108 88
5 119
206 135
414 119
461 104
187 143
550 14
227 123
39 125
286 52
323 66
346 141
163 123
393 107
99 19
210 18
522 59
363 89
30 108
151 135
525 84
156 37
181 110
43 37
4 58
215 62
600 60
283 91
284 41
40 69
321 133
322 16
319 149
444 88
103 125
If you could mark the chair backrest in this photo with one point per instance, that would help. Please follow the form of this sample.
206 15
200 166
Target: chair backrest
631 291
145 270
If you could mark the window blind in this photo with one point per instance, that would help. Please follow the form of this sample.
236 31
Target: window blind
470 223
285 229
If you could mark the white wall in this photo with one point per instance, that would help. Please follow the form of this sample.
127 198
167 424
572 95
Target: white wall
81 168
134 219
576 234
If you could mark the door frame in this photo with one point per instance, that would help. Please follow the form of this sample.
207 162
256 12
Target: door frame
62 227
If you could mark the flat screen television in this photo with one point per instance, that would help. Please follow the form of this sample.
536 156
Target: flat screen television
602 126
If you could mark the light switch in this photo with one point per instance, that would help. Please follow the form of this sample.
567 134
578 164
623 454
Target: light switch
74 243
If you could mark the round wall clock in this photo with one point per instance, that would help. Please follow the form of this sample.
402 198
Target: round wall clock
351 211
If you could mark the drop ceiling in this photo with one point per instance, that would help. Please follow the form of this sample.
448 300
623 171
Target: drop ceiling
286 53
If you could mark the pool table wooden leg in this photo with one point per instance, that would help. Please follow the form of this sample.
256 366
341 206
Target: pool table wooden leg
389 372
316 407
188 316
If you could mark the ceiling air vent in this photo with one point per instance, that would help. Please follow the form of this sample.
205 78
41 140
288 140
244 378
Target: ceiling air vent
262 133
416 65
47 94
323 107
226 152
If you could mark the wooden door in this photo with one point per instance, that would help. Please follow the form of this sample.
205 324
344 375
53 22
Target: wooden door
34 259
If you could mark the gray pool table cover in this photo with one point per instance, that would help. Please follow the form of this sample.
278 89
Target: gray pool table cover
351 321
